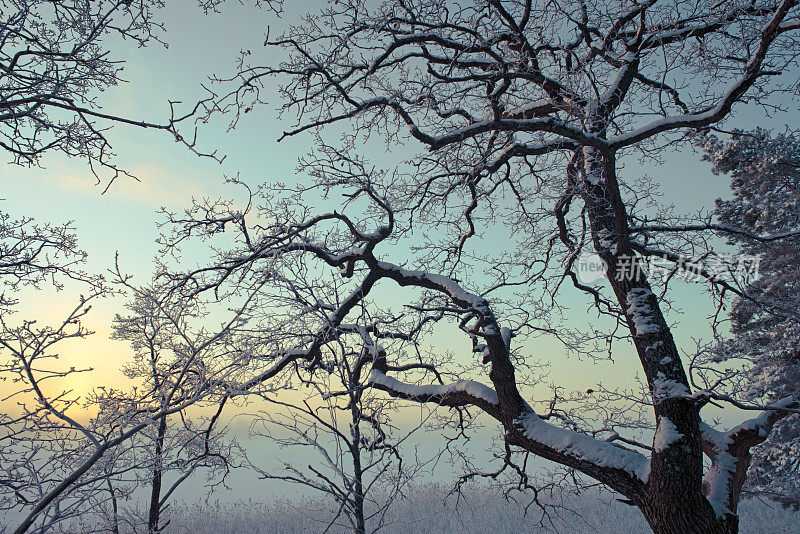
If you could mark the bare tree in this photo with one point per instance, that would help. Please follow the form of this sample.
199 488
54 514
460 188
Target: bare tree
525 109
61 465
40 437
363 468
170 352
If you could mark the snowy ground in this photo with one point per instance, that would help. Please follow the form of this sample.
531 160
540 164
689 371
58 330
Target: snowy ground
424 512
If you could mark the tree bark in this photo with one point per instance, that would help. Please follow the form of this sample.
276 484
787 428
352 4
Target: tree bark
358 472
673 501
154 514
684 517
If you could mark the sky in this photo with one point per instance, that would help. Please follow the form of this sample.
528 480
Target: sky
124 220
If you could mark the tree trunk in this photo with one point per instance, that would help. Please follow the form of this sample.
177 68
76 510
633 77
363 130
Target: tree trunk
114 507
358 472
687 517
674 502
155 489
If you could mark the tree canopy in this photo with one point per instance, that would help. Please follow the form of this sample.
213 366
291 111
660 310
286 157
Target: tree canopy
506 127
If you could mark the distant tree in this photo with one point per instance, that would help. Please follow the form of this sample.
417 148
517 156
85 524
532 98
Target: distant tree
526 111
44 442
361 465
763 220
171 356
65 459
43 445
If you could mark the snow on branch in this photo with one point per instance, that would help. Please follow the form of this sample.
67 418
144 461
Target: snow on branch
584 448
458 393
470 387
730 454
718 482
407 277
763 423
752 71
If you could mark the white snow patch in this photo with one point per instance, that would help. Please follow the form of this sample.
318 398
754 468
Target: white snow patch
664 388
718 481
641 312
358 249
720 440
471 387
606 240
584 447
666 434
506 334
489 330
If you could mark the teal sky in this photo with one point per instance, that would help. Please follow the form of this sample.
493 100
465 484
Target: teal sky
124 219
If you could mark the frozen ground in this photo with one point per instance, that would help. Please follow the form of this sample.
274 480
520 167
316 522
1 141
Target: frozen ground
425 513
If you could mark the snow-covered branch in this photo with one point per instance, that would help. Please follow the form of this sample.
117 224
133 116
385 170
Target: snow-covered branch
456 394
627 469
730 454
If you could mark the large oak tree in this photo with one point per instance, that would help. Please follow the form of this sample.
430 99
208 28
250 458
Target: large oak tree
525 111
